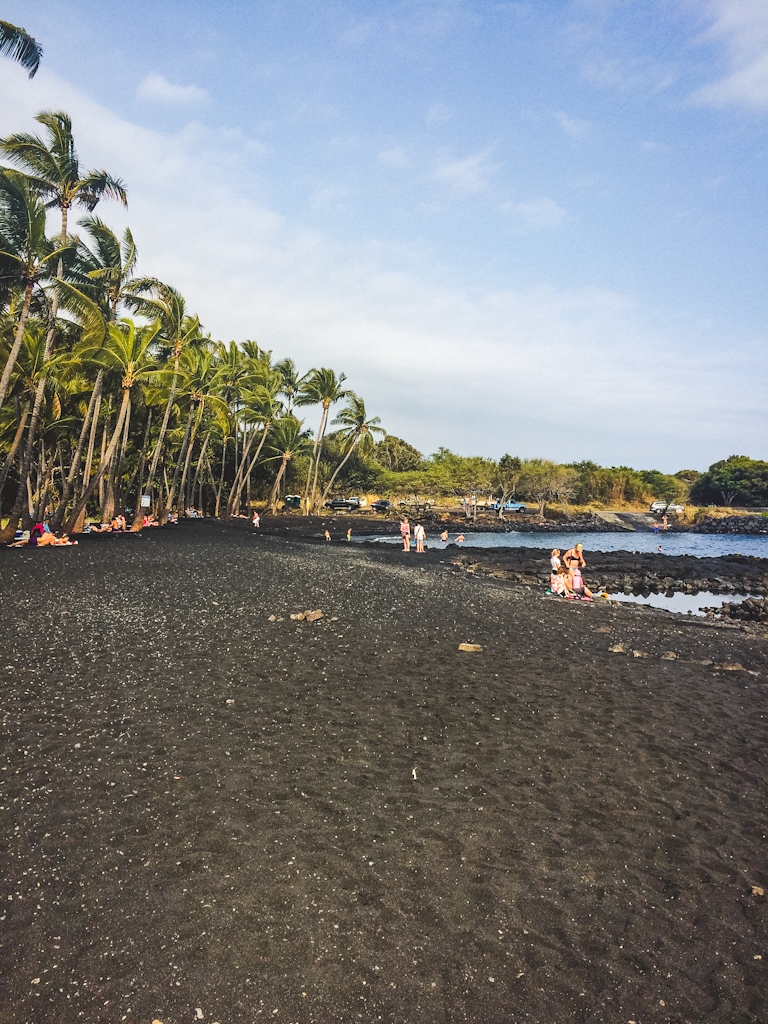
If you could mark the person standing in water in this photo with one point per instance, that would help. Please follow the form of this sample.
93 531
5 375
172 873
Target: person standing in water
420 534
405 533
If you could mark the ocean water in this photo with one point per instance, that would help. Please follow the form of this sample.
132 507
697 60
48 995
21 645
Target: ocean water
702 545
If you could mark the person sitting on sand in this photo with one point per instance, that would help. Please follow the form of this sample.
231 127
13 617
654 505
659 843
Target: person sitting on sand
578 586
327 535
405 533
419 534
149 520
556 583
574 558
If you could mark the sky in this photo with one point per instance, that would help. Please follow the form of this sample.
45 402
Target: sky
525 227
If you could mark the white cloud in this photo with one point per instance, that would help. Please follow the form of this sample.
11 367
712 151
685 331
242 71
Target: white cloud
576 127
481 364
537 214
394 157
157 89
742 28
467 174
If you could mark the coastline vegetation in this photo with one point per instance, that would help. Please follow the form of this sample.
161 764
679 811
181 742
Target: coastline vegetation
111 388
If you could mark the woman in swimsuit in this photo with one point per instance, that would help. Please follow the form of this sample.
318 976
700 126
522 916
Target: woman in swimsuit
574 557
405 533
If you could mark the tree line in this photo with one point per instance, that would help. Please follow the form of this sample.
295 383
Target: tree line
98 408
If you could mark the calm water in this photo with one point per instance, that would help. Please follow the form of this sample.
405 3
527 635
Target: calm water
699 544
682 602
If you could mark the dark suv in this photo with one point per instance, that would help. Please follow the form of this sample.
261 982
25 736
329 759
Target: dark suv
382 505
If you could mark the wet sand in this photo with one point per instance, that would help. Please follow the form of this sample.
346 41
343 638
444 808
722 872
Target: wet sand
351 820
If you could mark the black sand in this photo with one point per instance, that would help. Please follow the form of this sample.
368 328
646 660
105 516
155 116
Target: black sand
353 821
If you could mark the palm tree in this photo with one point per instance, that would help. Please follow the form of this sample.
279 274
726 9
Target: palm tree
103 272
179 330
321 387
287 440
20 46
198 384
355 427
291 381
260 407
127 351
26 254
54 169
54 172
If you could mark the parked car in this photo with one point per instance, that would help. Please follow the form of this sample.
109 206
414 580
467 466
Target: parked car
337 503
382 505
663 506
509 506
353 503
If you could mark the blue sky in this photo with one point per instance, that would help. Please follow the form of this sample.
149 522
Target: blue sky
527 227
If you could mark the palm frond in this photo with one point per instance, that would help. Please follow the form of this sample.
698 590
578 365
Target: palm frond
19 45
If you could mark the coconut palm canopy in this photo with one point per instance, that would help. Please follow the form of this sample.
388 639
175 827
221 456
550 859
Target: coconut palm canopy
118 407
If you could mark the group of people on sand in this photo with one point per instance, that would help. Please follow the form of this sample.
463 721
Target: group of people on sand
40 536
565 574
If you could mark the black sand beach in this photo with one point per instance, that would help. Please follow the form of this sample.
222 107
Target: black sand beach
351 820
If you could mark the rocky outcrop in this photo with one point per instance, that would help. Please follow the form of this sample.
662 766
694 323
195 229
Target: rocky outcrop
753 609
732 524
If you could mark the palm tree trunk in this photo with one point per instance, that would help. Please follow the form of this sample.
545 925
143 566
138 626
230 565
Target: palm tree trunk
190 446
117 486
42 477
105 462
138 517
221 477
101 459
234 494
94 428
251 464
163 425
318 453
276 485
172 492
315 456
339 468
8 370
67 484
21 504
200 458
14 447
